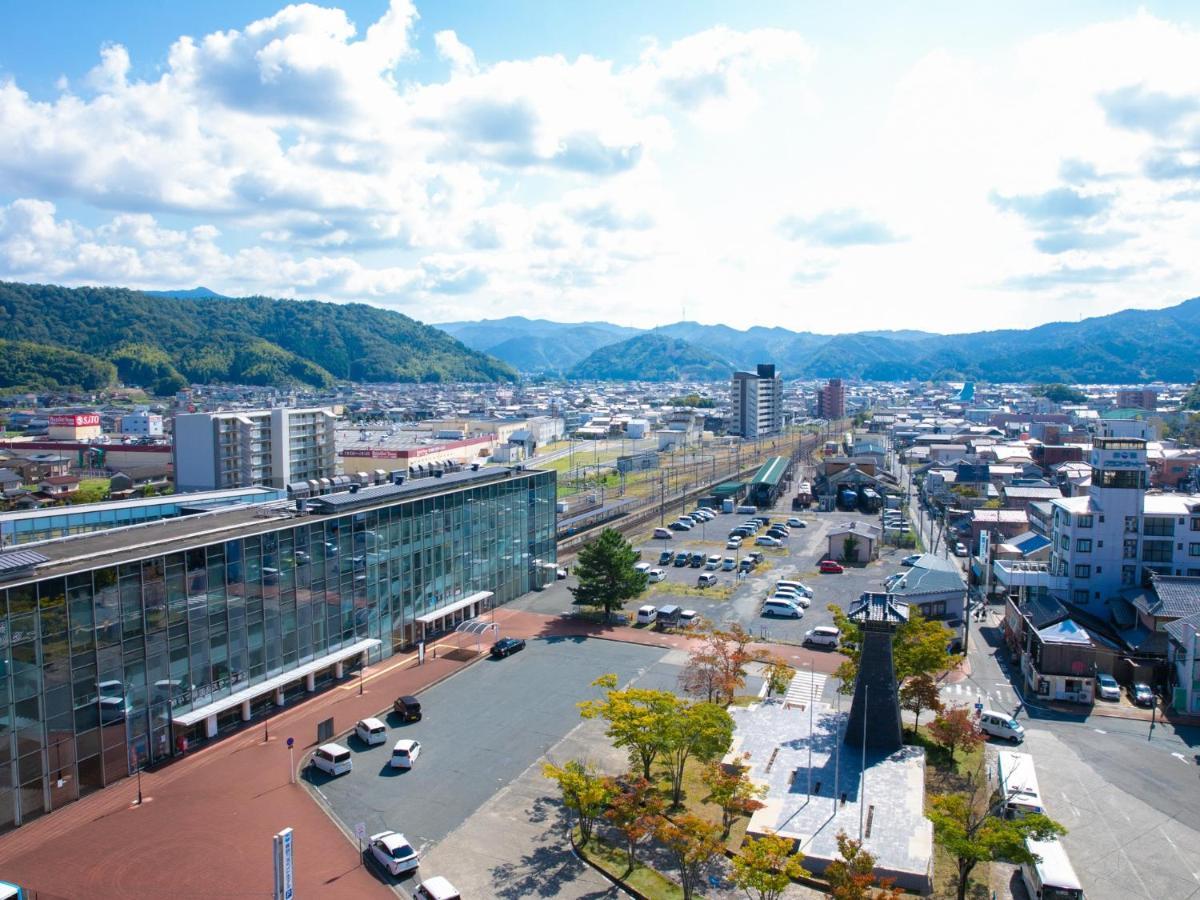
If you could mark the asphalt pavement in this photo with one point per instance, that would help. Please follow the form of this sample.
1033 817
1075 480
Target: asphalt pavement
481 729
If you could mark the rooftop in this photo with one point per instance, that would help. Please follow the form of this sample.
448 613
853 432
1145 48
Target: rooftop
771 471
931 574
134 542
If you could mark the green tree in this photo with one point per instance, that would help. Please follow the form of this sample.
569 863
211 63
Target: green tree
852 875
955 729
766 865
730 788
1191 400
639 720
919 647
701 731
965 826
92 490
919 694
584 791
634 810
850 549
691 842
606 573
1059 393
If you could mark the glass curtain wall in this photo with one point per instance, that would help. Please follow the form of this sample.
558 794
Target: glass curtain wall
93 665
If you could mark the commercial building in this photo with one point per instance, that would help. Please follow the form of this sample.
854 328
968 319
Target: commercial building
1137 398
1115 537
831 400
274 447
74 426
127 646
142 423
757 402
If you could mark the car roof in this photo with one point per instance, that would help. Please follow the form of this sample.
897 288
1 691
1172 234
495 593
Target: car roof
391 839
334 748
404 744
1105 677
409 698
439 886
371 722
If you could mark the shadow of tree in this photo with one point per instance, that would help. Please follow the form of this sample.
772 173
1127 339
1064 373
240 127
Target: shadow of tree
548 868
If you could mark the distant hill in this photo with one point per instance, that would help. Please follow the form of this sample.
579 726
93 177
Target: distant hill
163 343
1128 346
196 293
651 357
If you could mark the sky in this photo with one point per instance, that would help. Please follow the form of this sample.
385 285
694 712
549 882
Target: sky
822 167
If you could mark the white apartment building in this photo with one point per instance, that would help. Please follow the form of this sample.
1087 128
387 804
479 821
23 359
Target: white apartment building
142 422
275 447
1113 538
757 402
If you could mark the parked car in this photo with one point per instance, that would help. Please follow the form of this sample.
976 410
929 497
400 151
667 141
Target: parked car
1001 725
663 534
646 615
831 567
755 555
560 573
332 759
370 732
960 549
696 560
642 567
746 564
680 525
407 708
688 618
798 586
766 541
664 558
1107 687
667 617
657 575
437 888
782 608
822 636
728 564
1142 695
733 543
713 562
799 599
911 560
507 647
681 559
707 579
793 522
393 851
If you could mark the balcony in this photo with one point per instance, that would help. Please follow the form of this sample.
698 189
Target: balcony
1017 574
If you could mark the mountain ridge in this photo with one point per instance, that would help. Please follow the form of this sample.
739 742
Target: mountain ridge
1126 346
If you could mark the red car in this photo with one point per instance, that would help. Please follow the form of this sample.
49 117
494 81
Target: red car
829 567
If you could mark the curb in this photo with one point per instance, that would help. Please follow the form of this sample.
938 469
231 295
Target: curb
616 882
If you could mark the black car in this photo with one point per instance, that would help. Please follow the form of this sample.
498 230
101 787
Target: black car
681 560
407 708
507 647
664 558
697 560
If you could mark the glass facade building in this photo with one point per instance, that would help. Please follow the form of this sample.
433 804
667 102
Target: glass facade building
113 659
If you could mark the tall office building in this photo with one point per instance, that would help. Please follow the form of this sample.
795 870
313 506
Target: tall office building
757 407
831 400
130 644
272 447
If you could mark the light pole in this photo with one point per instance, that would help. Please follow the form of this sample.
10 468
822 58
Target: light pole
361 671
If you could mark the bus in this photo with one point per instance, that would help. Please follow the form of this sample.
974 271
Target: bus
1018 784
1051 877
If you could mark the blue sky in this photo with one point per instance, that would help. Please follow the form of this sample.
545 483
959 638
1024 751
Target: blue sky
936 165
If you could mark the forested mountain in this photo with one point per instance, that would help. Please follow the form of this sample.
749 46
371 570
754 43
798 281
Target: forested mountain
163 343
536 345
651 357
1129 346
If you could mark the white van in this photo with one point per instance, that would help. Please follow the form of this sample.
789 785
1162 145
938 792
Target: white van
1052 875
657 575
785 609
371 732
1001 725
643 567
747 510
822 636
333 759
663 534
647 614
713 562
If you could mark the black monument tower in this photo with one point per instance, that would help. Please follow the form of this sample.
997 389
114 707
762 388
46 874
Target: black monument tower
875 712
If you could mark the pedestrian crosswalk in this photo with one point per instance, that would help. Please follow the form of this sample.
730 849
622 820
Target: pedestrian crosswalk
803 687
967 693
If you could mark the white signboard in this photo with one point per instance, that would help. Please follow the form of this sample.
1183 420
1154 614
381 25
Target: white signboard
284 874
984 539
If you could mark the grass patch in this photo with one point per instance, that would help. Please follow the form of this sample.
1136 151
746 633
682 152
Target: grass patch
694 792
645 880
675 589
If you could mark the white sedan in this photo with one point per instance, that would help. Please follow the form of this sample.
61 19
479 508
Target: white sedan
793 522
765 541
393 851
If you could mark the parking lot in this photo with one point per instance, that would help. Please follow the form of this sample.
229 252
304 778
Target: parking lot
481 730
739 599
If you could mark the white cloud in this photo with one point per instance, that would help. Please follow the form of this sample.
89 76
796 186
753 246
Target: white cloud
296 155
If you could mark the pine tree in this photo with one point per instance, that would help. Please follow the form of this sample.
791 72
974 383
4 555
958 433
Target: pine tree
606 573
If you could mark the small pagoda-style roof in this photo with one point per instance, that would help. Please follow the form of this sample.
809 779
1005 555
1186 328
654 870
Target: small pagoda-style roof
878 609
